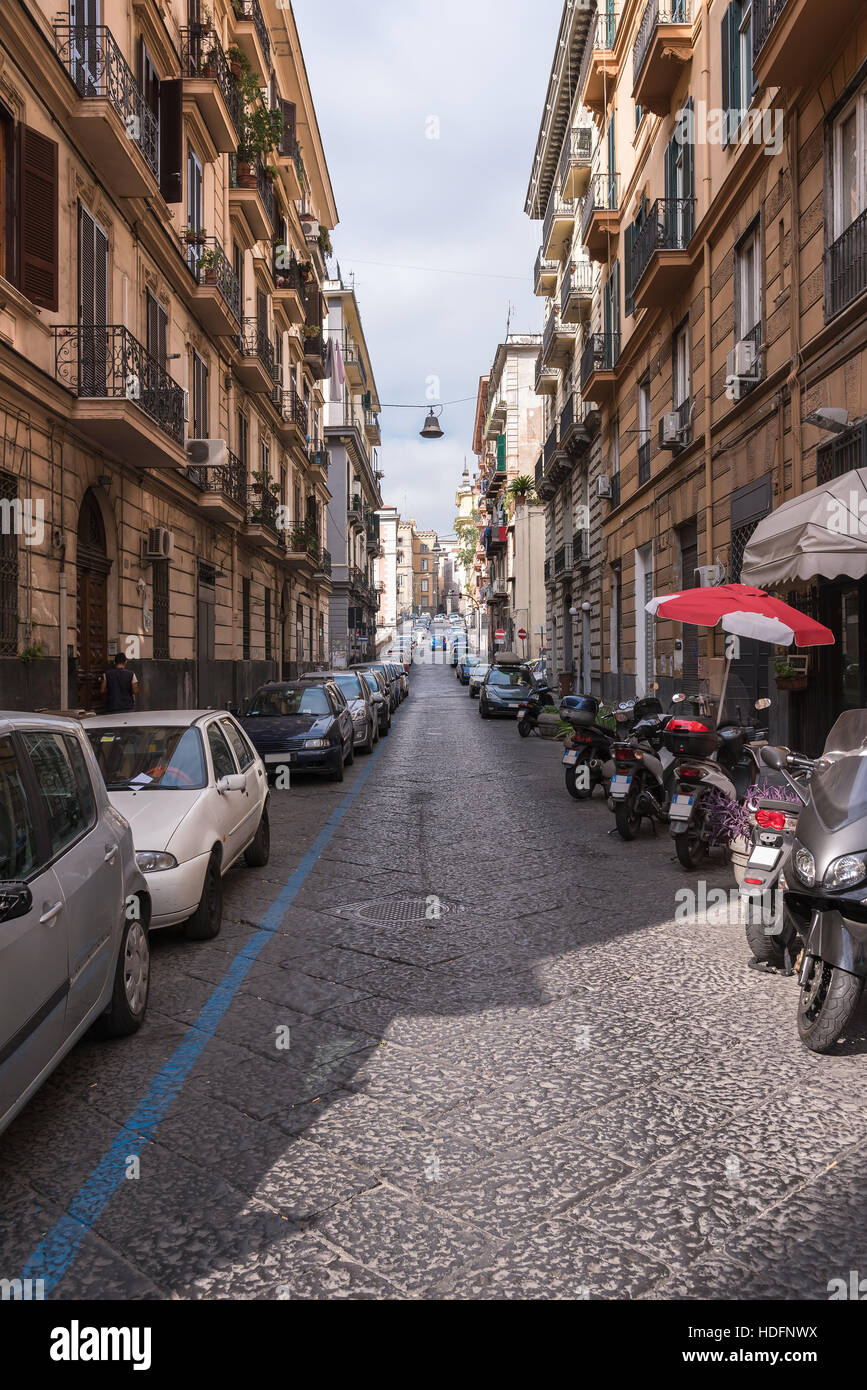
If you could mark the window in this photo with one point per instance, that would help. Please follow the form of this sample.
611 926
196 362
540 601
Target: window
221 755
321 636
245 619
70 813
18 854
238 267
850 164
748 285
8 197
424 565
615 462
296 503
160 582
738 80
157 327
195 216
8 572
680 377
243 751
425 588
200 421
267 624
644 429
243 436
265 457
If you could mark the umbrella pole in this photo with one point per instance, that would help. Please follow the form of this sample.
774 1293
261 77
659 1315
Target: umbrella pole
722 698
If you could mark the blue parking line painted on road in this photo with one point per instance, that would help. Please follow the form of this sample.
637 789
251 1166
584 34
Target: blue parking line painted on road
53 1256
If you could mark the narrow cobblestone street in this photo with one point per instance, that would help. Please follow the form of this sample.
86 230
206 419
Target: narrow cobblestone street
510 1071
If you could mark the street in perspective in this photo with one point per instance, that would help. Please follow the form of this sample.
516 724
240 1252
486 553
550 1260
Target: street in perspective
433 718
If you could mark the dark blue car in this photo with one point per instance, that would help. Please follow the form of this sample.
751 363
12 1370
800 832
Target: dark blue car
305 726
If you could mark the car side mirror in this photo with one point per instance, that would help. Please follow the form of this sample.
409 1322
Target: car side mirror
234 782
774 757
763 704
15 900
678 699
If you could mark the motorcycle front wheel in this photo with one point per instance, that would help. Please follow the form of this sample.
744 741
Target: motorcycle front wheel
767 949
627 815
827 1001
583 790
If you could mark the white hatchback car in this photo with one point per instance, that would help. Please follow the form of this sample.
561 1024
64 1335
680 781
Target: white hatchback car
477 678
195 793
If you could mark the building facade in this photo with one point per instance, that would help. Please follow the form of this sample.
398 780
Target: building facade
426 560
385 577
167 208
353 434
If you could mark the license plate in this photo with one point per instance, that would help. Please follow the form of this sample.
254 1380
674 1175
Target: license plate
763 858
281 758
620 787
570 758
681 807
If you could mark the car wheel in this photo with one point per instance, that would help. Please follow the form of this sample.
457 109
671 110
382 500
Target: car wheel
129 997
385 730
337 774
207 919
483 708
259 849
350 757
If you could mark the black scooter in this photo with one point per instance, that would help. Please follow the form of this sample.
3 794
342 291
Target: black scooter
530 709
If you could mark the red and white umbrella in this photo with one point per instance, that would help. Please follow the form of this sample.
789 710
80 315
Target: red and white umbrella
743 611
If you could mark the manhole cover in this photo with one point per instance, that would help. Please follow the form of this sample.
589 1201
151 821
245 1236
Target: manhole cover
408 912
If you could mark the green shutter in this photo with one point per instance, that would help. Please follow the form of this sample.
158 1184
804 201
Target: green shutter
501 453
629 234
726 74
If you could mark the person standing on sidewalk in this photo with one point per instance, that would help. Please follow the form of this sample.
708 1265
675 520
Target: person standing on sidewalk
119 686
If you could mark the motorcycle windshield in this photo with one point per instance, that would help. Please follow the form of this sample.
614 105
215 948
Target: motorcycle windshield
849 732
839 792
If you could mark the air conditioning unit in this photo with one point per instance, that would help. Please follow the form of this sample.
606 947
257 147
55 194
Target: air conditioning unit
160 543
742 359
208 453
603 485
709 575
671 432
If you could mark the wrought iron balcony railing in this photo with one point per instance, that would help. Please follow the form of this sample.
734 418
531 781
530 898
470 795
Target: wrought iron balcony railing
97 67
656 12
324 562
550 448
600 354
209 265
669 227
764 17
253 341
108 363
567 416
264 186
262 505
577 279
557 208
847 266
563 559
603 195
230 480
202 56
251 9
286 269
842 453
577 150
294 409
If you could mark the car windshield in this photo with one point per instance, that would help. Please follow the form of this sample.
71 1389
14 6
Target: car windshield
471 661
303 699
510 677
481 669
351 687
149 756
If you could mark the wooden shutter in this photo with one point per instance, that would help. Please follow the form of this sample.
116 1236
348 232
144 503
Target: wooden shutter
37 219
689 178
287 143
629 234
171 141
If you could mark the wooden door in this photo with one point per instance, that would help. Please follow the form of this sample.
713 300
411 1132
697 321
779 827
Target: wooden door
92 636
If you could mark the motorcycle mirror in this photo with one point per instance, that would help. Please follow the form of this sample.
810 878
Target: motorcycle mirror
678 699
773 757
763 704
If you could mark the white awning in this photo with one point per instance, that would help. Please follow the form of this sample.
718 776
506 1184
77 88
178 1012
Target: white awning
821 534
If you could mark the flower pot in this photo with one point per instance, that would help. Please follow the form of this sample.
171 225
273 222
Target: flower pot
209 277
235 69
791 682
739 849
549 725
246 174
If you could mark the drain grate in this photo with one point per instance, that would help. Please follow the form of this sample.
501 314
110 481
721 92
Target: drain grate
401 912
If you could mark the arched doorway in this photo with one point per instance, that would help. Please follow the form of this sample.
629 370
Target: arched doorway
91 616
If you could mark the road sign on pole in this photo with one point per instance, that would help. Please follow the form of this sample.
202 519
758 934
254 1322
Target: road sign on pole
522 633
499 635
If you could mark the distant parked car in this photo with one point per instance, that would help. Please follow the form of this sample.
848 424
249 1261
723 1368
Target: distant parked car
381 701
466 664
477 675
400 676
74 906
305 724
503 690
194 791
388 676
359 699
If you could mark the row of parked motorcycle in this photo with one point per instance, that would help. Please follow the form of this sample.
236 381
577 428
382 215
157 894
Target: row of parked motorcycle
797 826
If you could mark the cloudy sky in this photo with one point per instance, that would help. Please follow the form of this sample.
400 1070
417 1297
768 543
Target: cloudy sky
379 72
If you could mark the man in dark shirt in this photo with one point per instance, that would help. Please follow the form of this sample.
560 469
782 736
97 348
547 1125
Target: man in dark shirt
120 686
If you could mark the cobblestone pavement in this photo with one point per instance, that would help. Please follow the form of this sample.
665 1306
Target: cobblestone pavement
551 1089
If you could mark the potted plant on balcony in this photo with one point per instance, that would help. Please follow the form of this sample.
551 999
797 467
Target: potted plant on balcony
791 673
239 63
521 489
310 330
207 266
194 236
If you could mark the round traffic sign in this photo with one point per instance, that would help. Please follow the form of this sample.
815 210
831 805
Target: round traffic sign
522 634
499 635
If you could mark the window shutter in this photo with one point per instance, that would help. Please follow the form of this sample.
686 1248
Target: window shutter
287 143
735 101
171 141
85 267
37 219
629 234
501 451
725 30
689 179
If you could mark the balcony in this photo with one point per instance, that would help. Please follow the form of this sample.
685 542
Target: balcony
222 490
599 367
260 518
598 76
575 161
216 295
600 217
544 276
125 401
558 225
294 416
252 37
289 285
574 434
580 548
352 363
791 38
323 571
546 379
251 193
576 292
562 559
355 510
558 341
111 121
303 547
372 432
661 264
497 538
210 87
661 50
320 461
256 366
841 454
314 353
372 540
846 260
549 571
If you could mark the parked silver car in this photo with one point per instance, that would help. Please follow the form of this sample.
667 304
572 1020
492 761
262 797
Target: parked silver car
74 906
359 698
